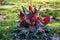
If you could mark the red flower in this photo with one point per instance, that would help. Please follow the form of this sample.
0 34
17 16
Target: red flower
46 20
30 8
35 11
21 14
40 18
24 18
22 24
32 19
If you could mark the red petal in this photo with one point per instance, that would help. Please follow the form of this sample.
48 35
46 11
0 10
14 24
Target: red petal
30 7
21 14
35 11
47 20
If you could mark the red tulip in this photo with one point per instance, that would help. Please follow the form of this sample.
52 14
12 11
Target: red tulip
40 18
21 14
30 7
23 23
35 11
46 20
32 19
24 18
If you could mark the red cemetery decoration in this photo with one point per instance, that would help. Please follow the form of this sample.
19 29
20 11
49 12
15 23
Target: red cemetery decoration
22 24
33 23
46 20
35 11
